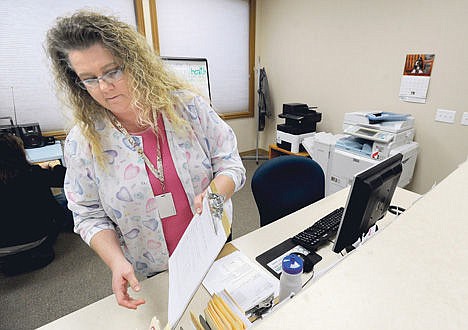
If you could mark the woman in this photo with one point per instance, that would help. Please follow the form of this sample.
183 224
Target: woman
143 151
31 217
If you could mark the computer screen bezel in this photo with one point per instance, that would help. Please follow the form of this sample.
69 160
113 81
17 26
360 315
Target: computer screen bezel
362 197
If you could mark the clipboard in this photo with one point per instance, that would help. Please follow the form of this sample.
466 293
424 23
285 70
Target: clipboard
275 252
227 249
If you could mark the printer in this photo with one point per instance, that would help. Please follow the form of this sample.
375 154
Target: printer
300 123
382 131
30 134
368 139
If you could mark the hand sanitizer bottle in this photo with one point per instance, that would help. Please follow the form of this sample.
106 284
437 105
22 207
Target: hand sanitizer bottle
290 279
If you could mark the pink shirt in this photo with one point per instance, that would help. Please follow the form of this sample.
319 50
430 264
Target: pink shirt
173 226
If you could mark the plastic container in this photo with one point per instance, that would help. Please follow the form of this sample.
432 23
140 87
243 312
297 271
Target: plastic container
290 279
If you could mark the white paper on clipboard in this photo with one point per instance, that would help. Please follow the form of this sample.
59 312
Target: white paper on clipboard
194 255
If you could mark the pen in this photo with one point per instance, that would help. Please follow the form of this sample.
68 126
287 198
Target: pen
204 323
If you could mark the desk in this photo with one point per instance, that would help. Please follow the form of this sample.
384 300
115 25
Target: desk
107 314
275 151
412 275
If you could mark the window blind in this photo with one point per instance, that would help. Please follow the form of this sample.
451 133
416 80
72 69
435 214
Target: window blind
26 84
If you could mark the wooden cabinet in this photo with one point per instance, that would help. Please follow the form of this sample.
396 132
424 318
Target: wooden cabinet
275 151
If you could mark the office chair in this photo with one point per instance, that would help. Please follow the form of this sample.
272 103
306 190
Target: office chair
285 184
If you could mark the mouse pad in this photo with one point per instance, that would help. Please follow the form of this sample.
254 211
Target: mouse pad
272 258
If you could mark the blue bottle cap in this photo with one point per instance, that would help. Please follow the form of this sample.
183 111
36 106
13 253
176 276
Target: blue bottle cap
293 264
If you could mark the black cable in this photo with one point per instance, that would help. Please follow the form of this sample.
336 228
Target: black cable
311 277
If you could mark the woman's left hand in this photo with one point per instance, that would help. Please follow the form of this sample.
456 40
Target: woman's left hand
198 202
224 186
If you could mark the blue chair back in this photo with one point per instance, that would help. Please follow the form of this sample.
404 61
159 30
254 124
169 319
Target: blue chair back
285 184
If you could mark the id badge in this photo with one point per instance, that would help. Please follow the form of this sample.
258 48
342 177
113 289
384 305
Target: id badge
165 205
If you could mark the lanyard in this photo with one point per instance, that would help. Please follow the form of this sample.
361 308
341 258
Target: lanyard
157 171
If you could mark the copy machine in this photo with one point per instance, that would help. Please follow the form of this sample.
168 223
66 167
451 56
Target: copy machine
368 139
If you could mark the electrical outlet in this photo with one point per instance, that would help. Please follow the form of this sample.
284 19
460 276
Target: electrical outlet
445 116
464 120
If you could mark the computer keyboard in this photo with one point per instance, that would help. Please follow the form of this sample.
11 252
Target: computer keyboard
320 232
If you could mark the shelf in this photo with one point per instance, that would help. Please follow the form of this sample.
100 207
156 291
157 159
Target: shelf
275 151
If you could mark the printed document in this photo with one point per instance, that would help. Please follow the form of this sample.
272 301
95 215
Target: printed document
247 283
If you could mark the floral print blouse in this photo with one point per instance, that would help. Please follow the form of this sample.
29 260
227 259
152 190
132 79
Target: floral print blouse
119 196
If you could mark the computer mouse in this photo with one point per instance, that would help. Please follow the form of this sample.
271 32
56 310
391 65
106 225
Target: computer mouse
308 261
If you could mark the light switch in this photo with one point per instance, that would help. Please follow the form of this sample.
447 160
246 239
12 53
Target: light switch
464 120
445 116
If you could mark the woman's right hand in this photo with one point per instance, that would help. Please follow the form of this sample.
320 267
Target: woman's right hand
107 246
123 275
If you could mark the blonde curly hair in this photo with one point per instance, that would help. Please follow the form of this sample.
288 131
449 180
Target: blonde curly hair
151 84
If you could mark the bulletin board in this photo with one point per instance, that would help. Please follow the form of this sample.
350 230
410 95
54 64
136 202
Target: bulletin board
193 70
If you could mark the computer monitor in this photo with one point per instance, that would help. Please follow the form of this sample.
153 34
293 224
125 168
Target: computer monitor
192 70
368 201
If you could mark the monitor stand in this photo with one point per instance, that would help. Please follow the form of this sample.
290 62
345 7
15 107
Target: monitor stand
370 233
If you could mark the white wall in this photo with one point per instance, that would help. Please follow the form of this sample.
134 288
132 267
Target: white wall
349 56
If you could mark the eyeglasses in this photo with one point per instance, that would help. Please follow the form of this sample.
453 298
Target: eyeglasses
109 77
